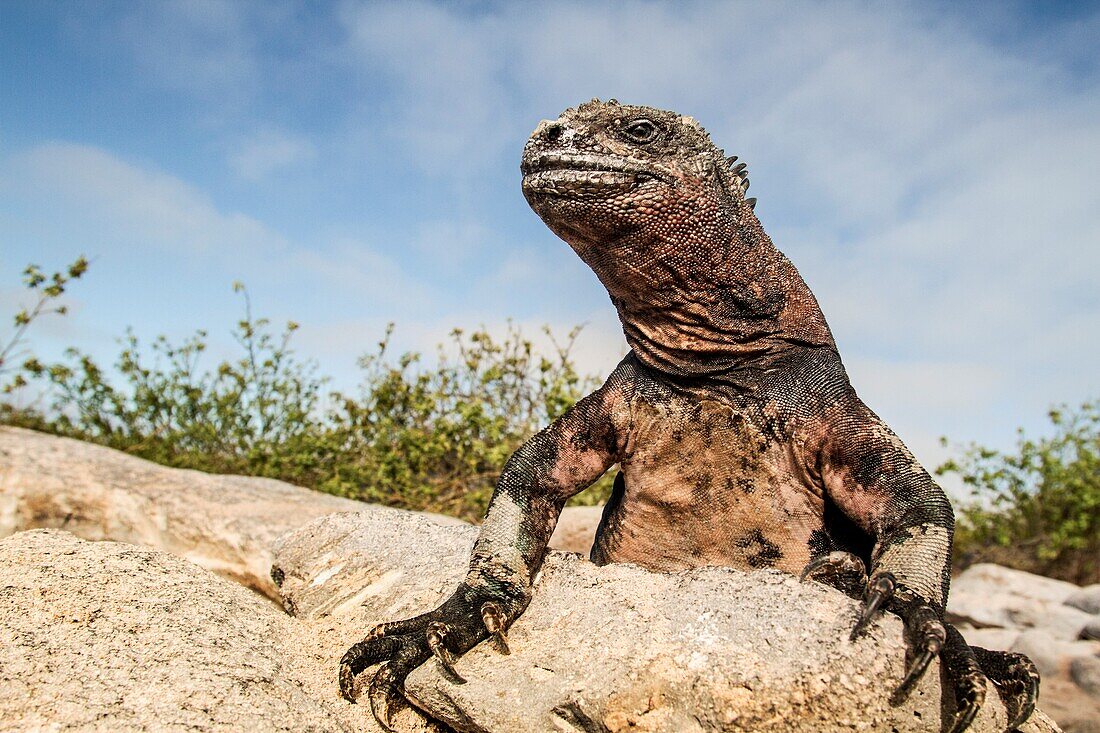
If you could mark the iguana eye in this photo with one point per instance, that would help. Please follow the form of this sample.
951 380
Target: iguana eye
641 130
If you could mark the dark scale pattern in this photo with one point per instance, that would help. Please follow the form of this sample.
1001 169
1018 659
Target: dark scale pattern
739 438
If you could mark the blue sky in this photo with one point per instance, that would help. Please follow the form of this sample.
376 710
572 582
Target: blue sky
931 169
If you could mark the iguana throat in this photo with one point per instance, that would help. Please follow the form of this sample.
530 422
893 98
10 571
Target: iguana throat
655 209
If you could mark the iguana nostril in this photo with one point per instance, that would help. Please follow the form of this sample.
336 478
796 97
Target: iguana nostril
553 131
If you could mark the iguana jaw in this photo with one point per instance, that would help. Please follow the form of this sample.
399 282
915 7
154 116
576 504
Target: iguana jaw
581 175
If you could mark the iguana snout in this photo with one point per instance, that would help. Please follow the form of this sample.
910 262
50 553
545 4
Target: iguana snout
607 170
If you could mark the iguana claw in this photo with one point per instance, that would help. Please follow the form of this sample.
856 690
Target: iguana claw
928 635
913 674
841 570
435 634
1013 675
1025 707
469 616
879 592
493 618
384 697
372 650
1016 679
965 674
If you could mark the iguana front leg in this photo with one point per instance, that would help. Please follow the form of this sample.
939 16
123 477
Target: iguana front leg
1013 675
874 479
538 479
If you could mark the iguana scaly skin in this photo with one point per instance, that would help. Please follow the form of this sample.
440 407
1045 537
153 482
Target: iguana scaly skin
739 438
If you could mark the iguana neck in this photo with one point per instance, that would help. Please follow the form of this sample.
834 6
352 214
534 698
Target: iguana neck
709 299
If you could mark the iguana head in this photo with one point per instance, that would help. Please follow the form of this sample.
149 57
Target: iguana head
659 213
604 170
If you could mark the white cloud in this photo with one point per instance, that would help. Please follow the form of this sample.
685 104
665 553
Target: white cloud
451 110
140 206
269 150
375 278
133 209
930 385
936 188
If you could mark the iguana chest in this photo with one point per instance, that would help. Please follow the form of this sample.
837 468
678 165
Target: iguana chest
707 482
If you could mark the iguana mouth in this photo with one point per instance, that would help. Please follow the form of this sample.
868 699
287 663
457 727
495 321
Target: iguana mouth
571 174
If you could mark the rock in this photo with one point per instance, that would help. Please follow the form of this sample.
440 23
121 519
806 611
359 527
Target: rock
987 576
617 647
1075 710
987 595
382 562
1087 599
1085 672
1000 639
576 530
1061 622
1051 655
109 636
224 523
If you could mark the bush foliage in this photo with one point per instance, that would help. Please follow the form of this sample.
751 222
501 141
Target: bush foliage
433 434
45 290
425 434
1036 508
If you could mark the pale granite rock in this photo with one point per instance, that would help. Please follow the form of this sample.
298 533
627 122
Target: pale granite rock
576 530
620 648
987 595
224 523
107 636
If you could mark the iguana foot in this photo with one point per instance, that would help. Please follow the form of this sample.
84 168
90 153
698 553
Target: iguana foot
1016 679
464 619
927 636
966 677
841 570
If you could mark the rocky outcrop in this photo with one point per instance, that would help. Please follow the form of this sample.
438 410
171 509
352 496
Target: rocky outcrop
986 595
224 523
107 636
576 530
619 648
1048 620
1086 599
110 636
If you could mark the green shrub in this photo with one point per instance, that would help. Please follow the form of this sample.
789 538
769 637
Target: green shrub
436 437
425 435
45 291
234 418
1038 507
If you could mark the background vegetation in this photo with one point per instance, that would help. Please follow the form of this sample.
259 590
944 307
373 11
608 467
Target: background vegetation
425 434
1037 507
433 434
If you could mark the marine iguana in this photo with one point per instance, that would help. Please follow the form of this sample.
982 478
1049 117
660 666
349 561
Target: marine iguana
739 438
